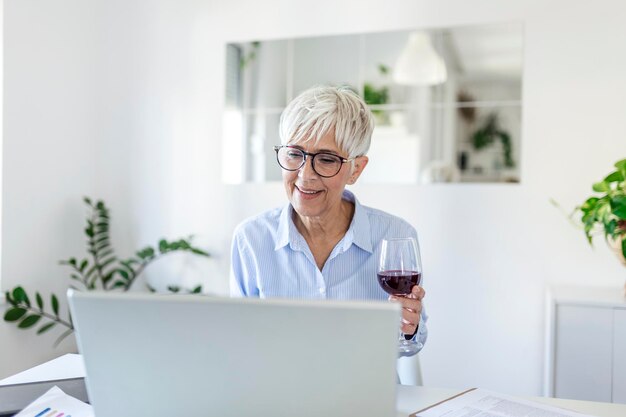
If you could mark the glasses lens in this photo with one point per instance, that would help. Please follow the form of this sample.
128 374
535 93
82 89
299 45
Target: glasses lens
326 164
290 158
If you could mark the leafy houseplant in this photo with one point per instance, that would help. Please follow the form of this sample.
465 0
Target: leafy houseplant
248 58
607 212
100 270
488 133
377 96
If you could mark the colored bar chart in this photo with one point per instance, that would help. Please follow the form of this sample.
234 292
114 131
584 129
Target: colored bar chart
47 412
56 403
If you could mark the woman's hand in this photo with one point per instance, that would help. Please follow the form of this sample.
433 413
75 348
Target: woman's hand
411 309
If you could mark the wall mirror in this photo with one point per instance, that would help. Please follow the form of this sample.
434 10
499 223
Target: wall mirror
447 101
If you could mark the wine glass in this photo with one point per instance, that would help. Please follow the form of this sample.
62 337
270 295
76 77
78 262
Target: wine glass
399 270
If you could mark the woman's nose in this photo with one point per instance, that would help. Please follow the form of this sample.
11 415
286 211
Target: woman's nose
306 170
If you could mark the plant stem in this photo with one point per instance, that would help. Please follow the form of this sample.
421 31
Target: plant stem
63 336
143 266
47 315
92 244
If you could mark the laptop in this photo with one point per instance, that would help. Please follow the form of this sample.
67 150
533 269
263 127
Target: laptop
191 355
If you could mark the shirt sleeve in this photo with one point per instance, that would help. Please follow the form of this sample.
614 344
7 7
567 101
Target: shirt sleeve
241 279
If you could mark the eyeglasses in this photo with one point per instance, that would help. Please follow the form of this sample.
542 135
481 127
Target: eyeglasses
324 164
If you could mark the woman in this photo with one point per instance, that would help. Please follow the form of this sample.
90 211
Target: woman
324 243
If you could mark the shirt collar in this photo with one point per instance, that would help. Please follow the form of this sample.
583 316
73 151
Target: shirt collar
358 232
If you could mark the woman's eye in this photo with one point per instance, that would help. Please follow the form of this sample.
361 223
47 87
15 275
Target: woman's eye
328 159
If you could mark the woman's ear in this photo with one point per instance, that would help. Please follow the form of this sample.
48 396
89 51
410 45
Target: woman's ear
359 165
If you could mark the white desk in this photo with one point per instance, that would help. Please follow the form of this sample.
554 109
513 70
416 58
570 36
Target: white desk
410 398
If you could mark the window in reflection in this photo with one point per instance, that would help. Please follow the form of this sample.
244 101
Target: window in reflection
447 102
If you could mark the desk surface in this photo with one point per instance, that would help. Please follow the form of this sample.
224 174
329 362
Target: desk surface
409 400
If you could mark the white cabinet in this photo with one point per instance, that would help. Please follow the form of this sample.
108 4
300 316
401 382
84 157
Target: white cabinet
619 355
586 344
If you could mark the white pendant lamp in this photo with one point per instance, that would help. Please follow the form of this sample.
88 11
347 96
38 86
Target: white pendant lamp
419 63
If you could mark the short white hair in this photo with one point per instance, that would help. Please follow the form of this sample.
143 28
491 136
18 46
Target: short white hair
318 110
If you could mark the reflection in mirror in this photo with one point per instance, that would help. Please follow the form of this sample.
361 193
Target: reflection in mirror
447 102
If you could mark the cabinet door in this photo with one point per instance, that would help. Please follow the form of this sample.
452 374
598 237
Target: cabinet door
583 359
619 356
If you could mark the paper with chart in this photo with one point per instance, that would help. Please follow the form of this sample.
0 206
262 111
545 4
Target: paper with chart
56 403
483 403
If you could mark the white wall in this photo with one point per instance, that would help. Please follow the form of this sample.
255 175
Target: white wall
154 100
48 145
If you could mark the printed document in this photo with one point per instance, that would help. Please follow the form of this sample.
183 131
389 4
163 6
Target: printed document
56 403
483 403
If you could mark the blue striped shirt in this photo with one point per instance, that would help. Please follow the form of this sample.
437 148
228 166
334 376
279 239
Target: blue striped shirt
270 258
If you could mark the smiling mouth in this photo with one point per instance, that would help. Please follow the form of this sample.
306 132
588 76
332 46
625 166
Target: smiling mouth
308 192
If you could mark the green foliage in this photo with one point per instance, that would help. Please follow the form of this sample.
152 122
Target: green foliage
101 269
383 69
489 133
378 96
373 95
606 213
246 60
26 316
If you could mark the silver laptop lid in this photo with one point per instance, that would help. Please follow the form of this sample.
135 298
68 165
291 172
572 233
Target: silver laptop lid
164 355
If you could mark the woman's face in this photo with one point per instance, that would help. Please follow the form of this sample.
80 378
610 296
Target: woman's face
315 196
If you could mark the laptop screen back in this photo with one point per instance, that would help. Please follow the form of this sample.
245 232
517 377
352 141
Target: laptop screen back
163 355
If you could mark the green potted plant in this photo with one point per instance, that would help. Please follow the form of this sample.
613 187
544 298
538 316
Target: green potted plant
378 96
606 212
490 132
100 270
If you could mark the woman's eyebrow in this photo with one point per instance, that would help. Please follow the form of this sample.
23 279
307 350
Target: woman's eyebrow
324 150
328 151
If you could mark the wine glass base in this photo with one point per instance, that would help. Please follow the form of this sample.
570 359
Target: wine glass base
408 347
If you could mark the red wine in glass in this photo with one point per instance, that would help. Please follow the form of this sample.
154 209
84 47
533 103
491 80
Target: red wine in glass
399 270
397 282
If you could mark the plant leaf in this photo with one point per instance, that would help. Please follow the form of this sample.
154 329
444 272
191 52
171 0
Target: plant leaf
107 277
615 176
197 290
90 271
621 165
105 253
14 314
39 300
102 226
55 304
20 296
200 252
589 203
83 265
29 321
146 253
618 206
601 187
46 327
123 273
107 262
10 299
